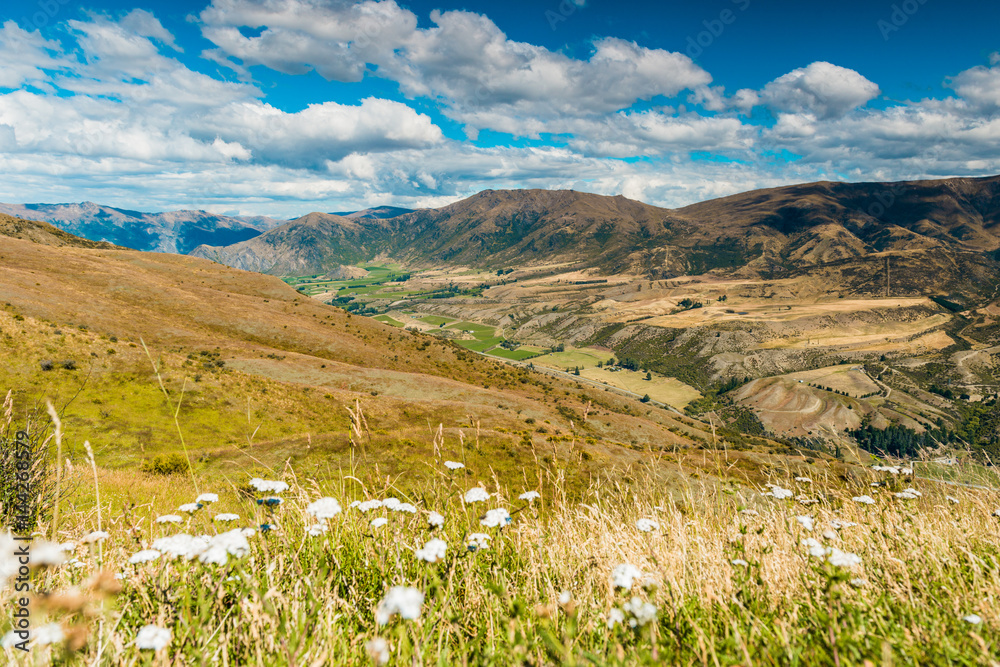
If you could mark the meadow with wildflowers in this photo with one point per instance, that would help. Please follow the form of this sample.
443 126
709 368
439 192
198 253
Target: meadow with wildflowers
274 569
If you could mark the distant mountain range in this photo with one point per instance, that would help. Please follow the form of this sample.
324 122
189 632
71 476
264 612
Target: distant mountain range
950 225
176 231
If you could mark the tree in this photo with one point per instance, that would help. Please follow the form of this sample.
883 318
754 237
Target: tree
576 371
649 376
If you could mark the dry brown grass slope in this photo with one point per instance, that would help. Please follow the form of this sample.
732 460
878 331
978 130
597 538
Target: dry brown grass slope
312 361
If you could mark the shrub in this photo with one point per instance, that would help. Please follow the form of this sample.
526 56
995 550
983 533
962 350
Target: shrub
46 364
69 365
165 464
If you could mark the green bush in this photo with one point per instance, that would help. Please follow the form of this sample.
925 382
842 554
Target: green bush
165 464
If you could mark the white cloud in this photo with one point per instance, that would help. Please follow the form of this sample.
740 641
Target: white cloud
25 56
980 85
464 61
822 89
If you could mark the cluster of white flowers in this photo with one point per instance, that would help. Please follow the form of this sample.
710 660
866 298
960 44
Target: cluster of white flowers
96 536
778 492
805 521
225 516
317 529
803 480
324 508
832 555
530 496
211 549
453 465
207 498
640 611
268 486
974 619
625 575
47 554
749 512
168 518
740 562
477 495
378 522
435 520
865 500
378 650
893 470
402 600
367 505
190 508
152 638
909 494
647 525
953 500
837 524
478 541
496 518
433 551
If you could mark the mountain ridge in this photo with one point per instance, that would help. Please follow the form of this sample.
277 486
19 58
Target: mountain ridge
171 231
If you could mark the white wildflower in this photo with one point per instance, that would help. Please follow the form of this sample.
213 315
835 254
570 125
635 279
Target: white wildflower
830 535
96 536
144 556
51 633
206 498
433 551
190 508
496 518
10 640
974 619
625 575
867 500
402 600
837 524
379 522
391 503
478 541
354 503
476 495
642 612
565 597
779 493
530 496
378 650
435 520
369 505
268 486
647 525
906 495
181 546
803 480
453 465
46 554
816 549
952 500
406 507
805 521
317 529
842 558
740 562
324 508
168 518
859 582
615 617
152 638
749 512
227 517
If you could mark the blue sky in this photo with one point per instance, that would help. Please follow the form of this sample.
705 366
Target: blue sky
280 107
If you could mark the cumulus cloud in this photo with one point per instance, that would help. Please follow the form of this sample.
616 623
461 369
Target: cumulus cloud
822 89
25 56
463 60
980 85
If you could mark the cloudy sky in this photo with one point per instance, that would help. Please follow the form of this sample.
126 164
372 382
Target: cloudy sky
281 107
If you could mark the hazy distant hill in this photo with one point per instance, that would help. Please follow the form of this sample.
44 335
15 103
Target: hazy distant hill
377 212
175 231
949 224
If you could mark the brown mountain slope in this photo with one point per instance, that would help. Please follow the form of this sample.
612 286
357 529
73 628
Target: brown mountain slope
43 232
94 306
765 233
